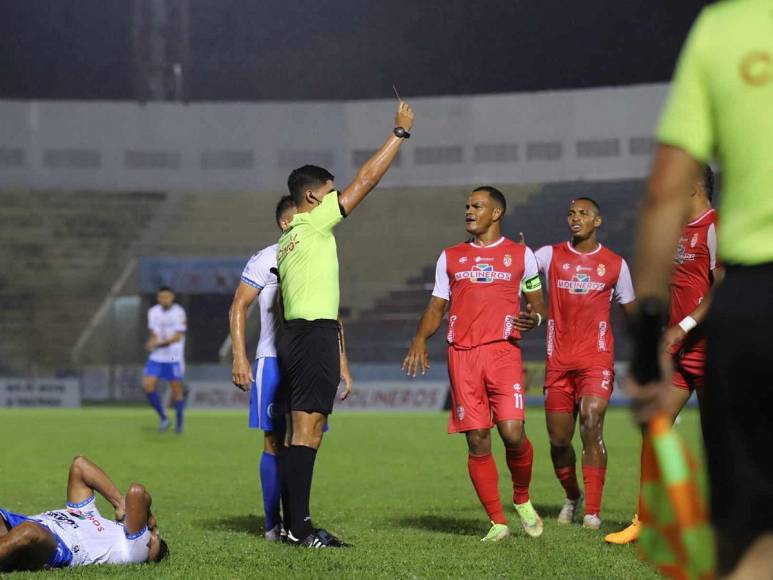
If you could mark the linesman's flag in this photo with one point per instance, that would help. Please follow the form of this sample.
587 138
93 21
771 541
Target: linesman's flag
675 536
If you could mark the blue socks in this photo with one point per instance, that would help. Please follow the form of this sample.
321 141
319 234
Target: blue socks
155 402
270 482
179 407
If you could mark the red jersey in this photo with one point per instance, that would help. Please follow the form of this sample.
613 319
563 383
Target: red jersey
692 276
581 288
483 285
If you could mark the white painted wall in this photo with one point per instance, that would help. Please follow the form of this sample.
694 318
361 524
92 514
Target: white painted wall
267 140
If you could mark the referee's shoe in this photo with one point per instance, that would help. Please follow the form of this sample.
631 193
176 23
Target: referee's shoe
319 538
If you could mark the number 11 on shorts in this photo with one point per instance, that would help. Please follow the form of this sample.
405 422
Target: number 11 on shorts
518 396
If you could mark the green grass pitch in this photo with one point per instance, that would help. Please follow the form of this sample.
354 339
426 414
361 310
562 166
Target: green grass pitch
394 485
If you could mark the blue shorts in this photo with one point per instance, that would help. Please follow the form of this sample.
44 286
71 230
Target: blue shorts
164 371
263 414
62 555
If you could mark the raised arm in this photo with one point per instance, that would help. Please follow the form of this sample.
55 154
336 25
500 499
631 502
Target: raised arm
431 320
241 372
85 478
374 168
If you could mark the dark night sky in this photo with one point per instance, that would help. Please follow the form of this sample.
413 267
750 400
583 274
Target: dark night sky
348 49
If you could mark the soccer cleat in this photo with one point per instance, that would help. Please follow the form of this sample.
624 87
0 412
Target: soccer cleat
496 533
570 509
591 521
178 429
626 536
163 425
320 538
274 534
532 523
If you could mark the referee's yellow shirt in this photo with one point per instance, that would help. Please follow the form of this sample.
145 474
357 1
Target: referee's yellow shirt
721 105
308 263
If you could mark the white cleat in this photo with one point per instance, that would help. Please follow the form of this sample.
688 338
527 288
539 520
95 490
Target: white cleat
570 509
591 521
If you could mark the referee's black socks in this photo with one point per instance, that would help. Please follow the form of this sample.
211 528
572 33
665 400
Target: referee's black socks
299 469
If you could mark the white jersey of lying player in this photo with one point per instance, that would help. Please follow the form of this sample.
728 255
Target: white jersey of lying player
165 324
93 538
261 273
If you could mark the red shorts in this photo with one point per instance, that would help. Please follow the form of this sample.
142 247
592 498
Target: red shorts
688 370
564 389
486 386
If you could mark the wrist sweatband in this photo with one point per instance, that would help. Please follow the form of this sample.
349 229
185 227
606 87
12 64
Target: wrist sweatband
688 323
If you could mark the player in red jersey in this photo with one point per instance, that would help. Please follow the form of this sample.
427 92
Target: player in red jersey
695 271
583 278
481 283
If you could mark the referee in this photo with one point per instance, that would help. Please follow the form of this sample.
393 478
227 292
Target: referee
310 345
721 107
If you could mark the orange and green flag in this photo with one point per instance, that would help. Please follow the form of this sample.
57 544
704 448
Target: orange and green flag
676 536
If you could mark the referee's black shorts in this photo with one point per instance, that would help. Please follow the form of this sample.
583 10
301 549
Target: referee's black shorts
738 397
310 363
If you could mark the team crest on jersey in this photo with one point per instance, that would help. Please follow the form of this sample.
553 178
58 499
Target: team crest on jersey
601 269
460 413
508 260
694 240
580 284
566 267
463 260
682 255
482 274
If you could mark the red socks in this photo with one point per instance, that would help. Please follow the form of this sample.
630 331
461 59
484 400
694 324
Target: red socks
520 461
593 478
485 479
568 478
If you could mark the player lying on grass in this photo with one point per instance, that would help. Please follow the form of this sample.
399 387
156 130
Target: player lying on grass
480 282
78 535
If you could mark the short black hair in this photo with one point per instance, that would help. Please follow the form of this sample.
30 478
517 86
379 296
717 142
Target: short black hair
165 288
592 201
163 550
304 177
708 181
495 194
285 202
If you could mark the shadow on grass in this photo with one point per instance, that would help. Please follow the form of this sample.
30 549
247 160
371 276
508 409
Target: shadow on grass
444 524
246 524
548 511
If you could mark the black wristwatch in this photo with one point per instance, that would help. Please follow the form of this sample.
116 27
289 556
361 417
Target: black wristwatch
401 133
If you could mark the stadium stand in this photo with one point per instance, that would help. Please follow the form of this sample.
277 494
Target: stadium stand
59 254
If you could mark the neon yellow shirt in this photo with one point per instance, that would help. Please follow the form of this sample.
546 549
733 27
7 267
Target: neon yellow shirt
308 263
721 105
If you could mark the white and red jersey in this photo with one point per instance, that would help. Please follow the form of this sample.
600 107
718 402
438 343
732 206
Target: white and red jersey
581 288
483 285
692 276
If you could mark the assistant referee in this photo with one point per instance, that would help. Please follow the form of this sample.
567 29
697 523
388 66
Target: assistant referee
309 347
721 107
